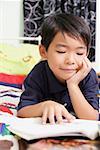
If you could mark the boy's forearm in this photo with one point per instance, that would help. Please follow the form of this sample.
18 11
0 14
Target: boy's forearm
81 106
31 111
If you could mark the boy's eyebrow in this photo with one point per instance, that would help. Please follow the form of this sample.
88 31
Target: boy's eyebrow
66 46
61 45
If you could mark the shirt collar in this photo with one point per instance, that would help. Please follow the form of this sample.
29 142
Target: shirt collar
54 85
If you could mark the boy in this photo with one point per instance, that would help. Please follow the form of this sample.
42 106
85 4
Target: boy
64 83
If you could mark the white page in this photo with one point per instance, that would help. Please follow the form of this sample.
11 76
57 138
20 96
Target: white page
32 128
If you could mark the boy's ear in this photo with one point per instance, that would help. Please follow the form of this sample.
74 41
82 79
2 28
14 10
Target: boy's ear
43 51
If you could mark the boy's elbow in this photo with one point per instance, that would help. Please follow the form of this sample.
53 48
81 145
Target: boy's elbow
20 113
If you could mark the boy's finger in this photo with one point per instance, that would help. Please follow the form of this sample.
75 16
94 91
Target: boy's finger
87 61
59 116
68 116
51 116
44 116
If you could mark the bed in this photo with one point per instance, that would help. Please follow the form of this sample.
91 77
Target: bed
16 61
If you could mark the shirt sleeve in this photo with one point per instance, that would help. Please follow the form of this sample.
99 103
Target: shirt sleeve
91 89
32 91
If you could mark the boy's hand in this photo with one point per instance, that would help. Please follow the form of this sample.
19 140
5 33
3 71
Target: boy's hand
81 73
52 110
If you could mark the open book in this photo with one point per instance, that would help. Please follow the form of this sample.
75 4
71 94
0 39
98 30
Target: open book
32 128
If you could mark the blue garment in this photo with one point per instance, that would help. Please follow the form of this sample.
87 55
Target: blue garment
41 85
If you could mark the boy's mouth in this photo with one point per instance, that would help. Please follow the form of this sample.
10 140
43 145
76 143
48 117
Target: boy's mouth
68 70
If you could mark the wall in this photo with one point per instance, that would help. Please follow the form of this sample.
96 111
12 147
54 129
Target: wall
11 19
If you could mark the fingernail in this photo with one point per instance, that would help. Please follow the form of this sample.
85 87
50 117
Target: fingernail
44 123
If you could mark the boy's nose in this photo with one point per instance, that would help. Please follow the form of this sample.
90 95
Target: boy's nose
70 59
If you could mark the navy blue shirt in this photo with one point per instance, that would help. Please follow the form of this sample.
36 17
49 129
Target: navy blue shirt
41 85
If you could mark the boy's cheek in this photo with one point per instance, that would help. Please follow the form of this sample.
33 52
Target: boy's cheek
79 64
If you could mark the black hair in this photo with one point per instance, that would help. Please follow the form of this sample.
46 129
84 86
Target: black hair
74 26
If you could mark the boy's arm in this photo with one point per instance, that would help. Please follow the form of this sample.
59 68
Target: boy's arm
81 106
48 110
31 111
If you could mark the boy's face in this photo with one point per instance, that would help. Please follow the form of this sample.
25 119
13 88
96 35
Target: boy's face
65 55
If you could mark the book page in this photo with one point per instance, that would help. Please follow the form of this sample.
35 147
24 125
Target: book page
32 128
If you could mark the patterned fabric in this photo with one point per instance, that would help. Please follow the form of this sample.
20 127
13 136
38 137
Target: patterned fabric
36 10
4 130
9 99
7 140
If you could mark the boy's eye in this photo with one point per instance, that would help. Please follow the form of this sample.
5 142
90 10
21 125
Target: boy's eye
79 54
60 52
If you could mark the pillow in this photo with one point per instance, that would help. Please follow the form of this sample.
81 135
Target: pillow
11 80
18 59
